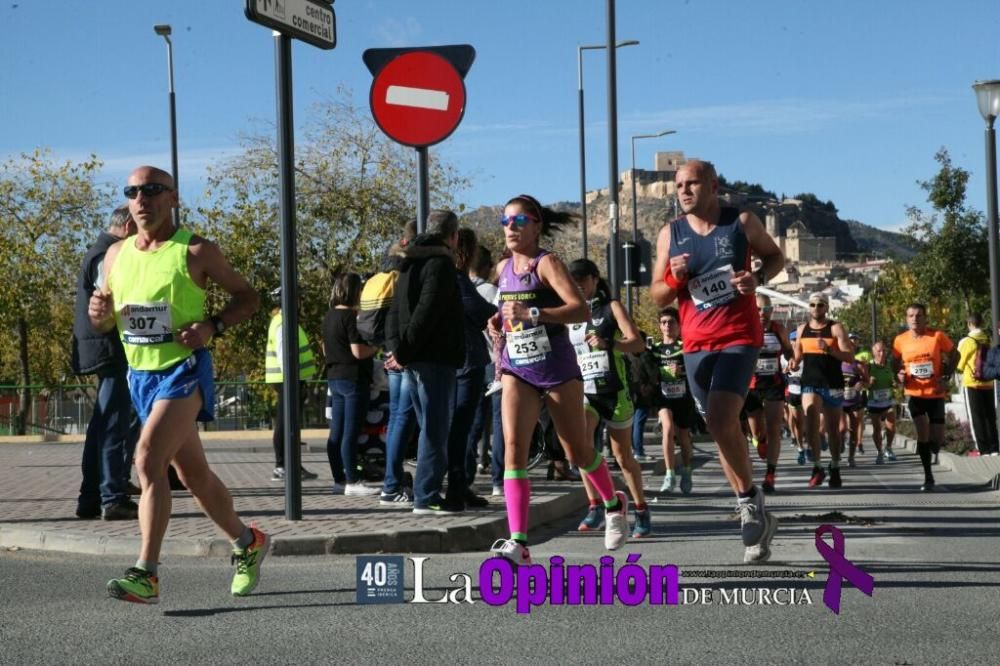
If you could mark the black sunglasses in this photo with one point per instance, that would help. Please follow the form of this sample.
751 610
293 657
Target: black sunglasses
817 305
148 189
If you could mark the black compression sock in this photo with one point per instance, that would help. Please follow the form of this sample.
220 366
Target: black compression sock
924 451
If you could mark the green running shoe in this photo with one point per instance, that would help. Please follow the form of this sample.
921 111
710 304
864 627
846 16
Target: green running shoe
643 524
138 586
685 475
248 561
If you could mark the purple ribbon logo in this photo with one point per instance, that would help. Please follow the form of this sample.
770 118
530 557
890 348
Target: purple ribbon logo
841 568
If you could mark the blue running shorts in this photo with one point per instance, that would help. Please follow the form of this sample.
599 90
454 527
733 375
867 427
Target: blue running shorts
178 381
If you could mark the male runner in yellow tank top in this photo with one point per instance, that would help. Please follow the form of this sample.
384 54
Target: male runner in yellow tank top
154 292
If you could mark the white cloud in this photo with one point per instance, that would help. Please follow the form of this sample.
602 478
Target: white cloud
398 31
777 116
192 164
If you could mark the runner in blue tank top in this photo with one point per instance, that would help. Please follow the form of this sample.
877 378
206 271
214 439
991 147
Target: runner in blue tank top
537 299
703 260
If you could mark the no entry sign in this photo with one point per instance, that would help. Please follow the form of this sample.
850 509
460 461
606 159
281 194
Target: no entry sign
418 98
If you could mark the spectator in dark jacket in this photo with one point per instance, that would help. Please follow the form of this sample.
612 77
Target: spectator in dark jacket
114 426
469 379
425 333
991 369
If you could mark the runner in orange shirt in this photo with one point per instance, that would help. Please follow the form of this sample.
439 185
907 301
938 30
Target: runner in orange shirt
924 359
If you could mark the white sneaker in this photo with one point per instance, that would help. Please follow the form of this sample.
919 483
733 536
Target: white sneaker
668 482
494 387
359 489
497 491
511 550
337 488
616 525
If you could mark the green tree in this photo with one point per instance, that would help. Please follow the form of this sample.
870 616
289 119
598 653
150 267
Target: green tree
893 291
810 198
752 189
951 269
355 190
950 272
49 213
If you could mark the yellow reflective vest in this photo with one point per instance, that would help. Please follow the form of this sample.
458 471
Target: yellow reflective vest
272 361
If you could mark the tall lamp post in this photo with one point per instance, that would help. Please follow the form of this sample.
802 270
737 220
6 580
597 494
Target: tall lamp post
164 31
635 205
583 151
988 96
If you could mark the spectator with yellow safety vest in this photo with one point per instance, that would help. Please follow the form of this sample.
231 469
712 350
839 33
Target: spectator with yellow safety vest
274 374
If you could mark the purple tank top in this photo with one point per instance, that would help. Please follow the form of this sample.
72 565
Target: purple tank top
541 355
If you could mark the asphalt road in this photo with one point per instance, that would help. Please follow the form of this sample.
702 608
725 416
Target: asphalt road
933 559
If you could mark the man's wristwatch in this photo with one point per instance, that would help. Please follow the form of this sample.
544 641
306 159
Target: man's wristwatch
533 314
220 326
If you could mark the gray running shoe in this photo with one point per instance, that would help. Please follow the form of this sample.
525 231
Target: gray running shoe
751 510
761 551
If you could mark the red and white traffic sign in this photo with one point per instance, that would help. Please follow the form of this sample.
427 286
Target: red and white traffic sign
418 98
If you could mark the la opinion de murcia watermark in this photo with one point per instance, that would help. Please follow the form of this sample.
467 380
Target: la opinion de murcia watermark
557 583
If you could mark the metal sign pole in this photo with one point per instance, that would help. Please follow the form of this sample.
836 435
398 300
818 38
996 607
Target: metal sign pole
289 289
613 268
423 190
583 152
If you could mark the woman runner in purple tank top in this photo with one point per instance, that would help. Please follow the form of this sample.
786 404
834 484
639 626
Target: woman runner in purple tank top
538 297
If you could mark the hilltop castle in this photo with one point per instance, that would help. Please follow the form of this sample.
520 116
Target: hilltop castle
782 219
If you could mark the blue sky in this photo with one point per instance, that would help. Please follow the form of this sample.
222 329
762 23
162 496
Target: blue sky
848 100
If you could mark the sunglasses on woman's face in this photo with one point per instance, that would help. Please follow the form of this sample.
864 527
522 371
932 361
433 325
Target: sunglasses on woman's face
517 221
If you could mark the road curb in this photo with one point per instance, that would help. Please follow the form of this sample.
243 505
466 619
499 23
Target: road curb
983 469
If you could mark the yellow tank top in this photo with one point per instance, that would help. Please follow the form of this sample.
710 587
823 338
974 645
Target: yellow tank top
154 298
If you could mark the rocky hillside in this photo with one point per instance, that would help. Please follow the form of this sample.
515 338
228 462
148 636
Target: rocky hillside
889 243
853 238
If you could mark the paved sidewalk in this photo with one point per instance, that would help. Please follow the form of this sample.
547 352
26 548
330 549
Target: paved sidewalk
39 483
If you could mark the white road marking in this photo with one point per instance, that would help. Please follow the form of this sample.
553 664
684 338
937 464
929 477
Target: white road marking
420 98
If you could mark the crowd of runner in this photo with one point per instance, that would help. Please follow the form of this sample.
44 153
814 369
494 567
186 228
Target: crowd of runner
461 351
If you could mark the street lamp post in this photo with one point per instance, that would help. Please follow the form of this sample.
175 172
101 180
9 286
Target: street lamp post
583 150
635 204
164 31
988 96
